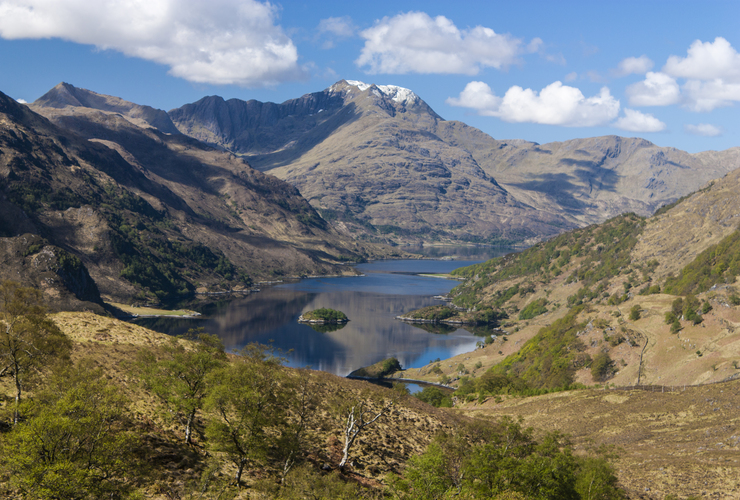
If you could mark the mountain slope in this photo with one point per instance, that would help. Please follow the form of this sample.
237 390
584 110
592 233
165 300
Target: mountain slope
152 215
363 157
654 300
377 161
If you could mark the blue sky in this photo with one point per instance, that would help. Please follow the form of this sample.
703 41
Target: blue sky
668 71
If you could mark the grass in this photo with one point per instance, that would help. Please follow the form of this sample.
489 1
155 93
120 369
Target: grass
152 311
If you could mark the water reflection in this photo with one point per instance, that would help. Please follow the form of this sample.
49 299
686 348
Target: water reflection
371 302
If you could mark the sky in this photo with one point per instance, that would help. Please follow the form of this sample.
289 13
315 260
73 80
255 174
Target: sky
664 70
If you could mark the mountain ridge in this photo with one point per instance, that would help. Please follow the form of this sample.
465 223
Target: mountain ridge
150 215
556 186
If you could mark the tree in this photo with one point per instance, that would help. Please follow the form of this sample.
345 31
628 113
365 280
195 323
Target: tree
249 399
29 339
357 414
602 367
293 437
635 312
74 442
178 373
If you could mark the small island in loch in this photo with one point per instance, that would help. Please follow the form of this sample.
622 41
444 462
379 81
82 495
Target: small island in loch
323 316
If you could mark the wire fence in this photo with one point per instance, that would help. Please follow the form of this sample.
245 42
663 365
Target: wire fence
669 388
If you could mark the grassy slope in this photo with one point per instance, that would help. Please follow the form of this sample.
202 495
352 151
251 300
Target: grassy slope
383 448
680 443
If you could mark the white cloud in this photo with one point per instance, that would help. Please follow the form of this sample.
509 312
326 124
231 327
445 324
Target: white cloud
712 71
703 129
706 61
338 26
571 77
634 66
634 121
658 89
22 101
417 43
556 104
706 96
335 28
217 42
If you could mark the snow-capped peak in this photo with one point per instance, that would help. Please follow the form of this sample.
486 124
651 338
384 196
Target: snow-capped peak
398 94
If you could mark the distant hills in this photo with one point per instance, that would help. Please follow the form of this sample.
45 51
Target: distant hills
659 296
154 204
96 201
376 160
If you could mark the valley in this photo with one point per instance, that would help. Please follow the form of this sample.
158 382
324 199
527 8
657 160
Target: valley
107 201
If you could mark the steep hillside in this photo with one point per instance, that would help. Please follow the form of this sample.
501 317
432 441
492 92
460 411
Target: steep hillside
377 161
629 301
363 156
151 215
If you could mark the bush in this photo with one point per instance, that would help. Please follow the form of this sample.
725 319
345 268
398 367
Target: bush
435 397
635 312
534 309
602 367
675 326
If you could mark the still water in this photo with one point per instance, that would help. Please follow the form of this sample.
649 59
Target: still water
387 289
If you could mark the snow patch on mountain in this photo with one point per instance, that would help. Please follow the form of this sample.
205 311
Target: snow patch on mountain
398 94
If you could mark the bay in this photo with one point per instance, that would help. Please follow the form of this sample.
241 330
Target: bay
372 301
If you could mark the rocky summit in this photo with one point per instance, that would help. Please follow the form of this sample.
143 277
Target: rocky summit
98 201
377 162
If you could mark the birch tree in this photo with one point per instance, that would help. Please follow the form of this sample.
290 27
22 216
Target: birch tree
178 373
29 339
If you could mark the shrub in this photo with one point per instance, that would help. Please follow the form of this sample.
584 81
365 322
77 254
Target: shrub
435 397
635 312
534 309
602 367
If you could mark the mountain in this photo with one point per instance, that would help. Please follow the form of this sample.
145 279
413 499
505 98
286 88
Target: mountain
148 215
377 161
656 300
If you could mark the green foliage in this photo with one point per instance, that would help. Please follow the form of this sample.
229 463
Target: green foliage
675 326
30 341
505 461
534 309
74 441
178 374
603 252
717 264
649 290
670 317
635 311
690 307
305 482
546 360
734 299
326 315
435 397
391 365
434 313
602 367
706 307
380 369
248 400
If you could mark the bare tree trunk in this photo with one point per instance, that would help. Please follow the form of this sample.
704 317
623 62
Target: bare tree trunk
17 380
356 423
189 428
239 469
